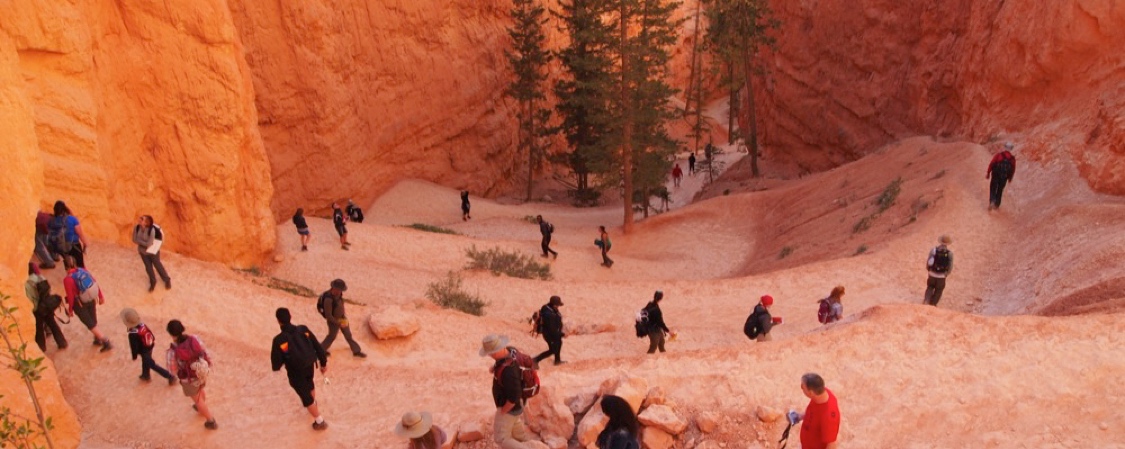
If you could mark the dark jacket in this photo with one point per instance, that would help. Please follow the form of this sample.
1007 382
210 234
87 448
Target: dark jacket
545 229
655 316
507 386
765 320
141 340
1003 155
333 306
338 217
299 222
297 349
551 319
617 439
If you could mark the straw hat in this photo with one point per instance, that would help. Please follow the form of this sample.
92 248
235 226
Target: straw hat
493 343
130 317
414 424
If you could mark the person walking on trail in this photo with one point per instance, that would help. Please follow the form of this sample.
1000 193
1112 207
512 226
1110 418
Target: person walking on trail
939 265
149 239
42 250
83 295
509 430
691 163
820 424
551 327
66 236
141 343
465 206
831 309
302 228
191 363
43 305
677 174
331 305
339 220
623 429
604 244
419 429
297 349
657 329
1001 170
761 322
354 212
547 230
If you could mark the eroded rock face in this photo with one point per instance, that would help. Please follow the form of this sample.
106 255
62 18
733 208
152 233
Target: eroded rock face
850 76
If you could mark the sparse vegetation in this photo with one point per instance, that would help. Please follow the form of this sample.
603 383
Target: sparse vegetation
939 174
448 293
862 249
253 270
863 224
17 430
889 195
785 252
431 228
511 263
917 207
726 192
290 287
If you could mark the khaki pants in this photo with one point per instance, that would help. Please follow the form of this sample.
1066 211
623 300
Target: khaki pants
509 431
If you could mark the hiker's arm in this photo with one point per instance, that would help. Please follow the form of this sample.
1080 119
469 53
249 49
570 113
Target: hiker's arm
276 356
329 313
511 386
71 291
321 354
81 236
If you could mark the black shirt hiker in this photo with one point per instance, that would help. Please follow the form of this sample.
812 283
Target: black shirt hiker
551 326
297 349
546 229
657 328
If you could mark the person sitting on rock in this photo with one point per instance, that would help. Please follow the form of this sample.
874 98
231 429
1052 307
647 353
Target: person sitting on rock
419 429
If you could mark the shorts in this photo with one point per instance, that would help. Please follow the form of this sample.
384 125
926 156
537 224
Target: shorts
341 229
303 231
190 389
87 313
304 385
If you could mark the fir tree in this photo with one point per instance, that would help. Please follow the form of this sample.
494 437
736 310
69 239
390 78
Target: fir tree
528 59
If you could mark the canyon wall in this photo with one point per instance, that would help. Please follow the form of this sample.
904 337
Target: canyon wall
353 96
851 75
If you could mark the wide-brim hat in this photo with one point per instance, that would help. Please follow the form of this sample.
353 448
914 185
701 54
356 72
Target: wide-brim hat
556 301
130 317
493 343
414 424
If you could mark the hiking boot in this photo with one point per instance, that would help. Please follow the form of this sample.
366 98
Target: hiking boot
145 378
304 248
106 346
151 287
344 247
195 407
555 256
360 354
347 243
171 380
320 425
167 284
559 362
63 346
96 341
211 424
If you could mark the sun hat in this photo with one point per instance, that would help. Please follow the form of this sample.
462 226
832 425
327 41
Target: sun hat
767 300
130 317
339 284
945 240
414 424
492 343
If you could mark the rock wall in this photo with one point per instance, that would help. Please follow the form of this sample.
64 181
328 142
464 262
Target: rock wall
355 95
849 76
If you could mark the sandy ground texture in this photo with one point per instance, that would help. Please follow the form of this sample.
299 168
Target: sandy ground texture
986 369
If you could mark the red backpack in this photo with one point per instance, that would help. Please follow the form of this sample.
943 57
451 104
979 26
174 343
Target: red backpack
824 312
529 378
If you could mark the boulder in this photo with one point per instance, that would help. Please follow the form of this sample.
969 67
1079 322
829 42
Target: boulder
581 402
631 388
549 417
533 444
656 396
707 422
555 442
653 438
592 424
393 322
768 414
471 431
663 417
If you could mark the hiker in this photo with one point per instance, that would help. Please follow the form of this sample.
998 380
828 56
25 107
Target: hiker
760 322
677 174
331 303
340 221
141 342
191 363
83 294
604 243
691 163
1002 169
821 420
465 206
508 428
65 235
656 327
297 349
42 232
939 265
149 239
623 430
831 309
302 228
419 428
354 212
546 229
551 327
43 305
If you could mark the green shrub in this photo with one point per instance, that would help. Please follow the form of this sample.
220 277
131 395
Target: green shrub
889 195
863 224
292 288
511 263
862 249
432 228
785 252
448 294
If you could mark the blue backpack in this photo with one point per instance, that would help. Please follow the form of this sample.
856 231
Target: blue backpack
88 290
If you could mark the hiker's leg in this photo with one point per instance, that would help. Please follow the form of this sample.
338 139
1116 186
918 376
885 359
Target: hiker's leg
200 400
1000 190
41 251
545 245
333 328
504 430
660 340
159 269
519 431
556 348
347 331
56 331
928 298
652 342
544 354
939 286
148 363
147 259
40 332
79 256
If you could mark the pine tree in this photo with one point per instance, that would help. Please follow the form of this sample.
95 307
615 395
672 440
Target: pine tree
528 59
736 30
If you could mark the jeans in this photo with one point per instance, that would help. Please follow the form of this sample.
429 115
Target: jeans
656 340
147 363
554 347
333 328
46 259
996 190
44 323
153 260
934 287
509 431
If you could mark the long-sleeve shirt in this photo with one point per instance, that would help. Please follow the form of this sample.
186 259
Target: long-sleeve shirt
296 348
507 385
999 157
655 316
145 236
333 306
552 321
72 289
141 340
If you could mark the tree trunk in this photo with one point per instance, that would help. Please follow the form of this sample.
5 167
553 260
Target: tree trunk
627 125
750 131
694 71
732 105
530 145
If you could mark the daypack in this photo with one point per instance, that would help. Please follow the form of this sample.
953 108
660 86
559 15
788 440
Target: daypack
189 361
751 328
48 304
536 323
942 260
643 325
356 214
320 303
57 236
299 351
42 290
88 290
148 340
1003 168
824 312
529 377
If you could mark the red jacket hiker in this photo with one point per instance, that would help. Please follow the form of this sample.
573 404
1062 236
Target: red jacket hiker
676 172
999 157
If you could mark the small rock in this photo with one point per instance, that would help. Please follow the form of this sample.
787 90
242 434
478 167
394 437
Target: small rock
591 425
581 402
278 258
393 322
663 417
768 414
473 431
653 438
535 445
632 389
656 396
706 422
1103 426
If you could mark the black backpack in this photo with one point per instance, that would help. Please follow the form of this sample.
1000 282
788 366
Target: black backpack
1003 168
301 351
751 328
942 260
320 303
643 325
56 238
